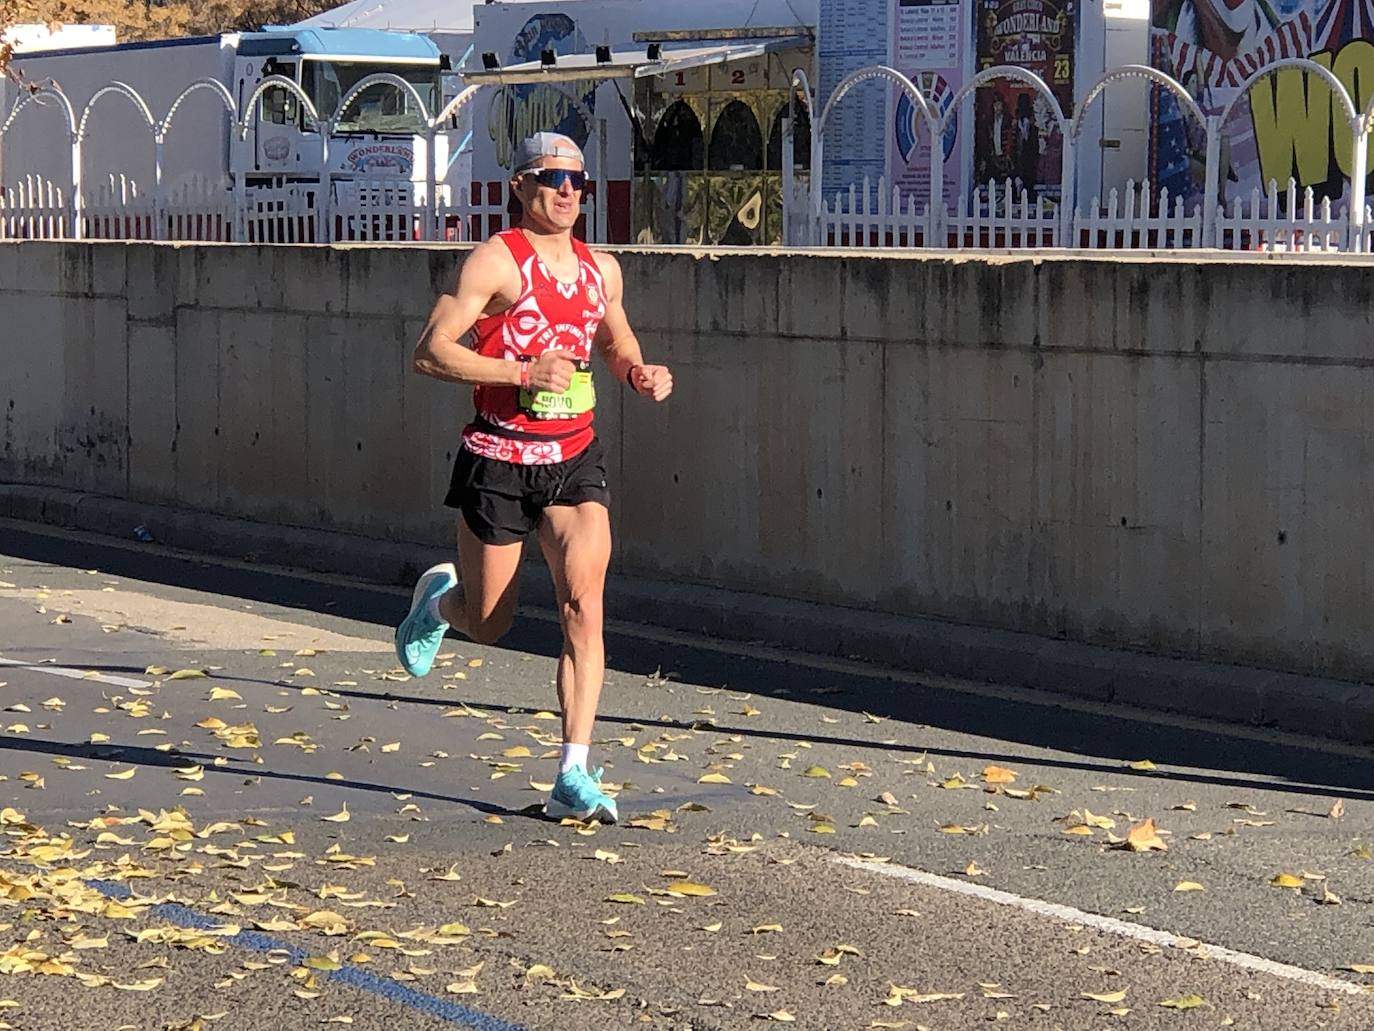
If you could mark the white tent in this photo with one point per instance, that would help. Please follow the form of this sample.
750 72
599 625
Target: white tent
397 15
456 16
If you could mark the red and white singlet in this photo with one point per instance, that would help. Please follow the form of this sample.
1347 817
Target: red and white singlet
548 315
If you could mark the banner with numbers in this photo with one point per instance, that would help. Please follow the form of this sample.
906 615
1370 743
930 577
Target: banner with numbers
926 43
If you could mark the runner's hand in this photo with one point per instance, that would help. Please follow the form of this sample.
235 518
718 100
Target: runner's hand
552 371
652 381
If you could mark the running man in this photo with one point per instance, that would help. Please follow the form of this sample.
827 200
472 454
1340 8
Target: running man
536 301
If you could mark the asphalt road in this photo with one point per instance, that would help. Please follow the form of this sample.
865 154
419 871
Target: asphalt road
225 807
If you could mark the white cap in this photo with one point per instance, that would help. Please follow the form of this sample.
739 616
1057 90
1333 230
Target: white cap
545 145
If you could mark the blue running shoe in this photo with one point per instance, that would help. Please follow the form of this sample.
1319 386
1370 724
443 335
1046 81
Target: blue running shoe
419 637
578 794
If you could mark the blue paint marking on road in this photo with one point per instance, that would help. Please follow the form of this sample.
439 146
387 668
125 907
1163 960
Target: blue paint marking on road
462 1016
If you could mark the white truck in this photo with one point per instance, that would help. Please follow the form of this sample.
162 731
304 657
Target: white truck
380 136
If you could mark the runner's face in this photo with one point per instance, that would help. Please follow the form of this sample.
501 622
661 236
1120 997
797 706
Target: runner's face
548 208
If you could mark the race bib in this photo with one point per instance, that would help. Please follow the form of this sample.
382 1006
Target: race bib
578 399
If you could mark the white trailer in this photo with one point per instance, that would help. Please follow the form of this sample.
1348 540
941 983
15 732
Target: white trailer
118 142
381 135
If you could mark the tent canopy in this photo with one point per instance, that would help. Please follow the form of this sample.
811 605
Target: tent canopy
633 63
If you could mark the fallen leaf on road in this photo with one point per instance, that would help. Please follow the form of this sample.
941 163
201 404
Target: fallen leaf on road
625 898
187 674
691 888
998 775
816 772
1286 880
341 816
781 1015
1142 764
1188 886
123 774
897 995
223 694
1184 1002
758 986
1109 997
713 778
138 986
1144 837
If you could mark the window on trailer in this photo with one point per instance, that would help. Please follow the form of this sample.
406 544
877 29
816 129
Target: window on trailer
379 108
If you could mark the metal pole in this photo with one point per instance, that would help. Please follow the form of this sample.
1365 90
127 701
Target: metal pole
324 204
817 159
1359 129
935 233
1211 184
159 221
1067 192
78 201
432 184
789 196
602 189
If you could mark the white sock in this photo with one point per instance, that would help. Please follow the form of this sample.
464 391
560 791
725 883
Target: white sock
573 755
432 607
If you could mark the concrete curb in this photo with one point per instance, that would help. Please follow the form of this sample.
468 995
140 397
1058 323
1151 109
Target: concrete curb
1332 709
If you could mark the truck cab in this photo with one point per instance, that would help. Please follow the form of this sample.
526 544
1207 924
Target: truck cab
380 136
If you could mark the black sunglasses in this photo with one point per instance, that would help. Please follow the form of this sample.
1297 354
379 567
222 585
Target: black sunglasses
554 178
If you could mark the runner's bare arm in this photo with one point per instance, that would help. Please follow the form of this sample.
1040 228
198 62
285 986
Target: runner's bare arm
485 278
617 342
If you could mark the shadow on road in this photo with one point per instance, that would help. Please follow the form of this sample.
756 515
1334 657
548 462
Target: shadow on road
140 756
1090 741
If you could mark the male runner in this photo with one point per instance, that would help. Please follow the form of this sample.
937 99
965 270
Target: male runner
536 301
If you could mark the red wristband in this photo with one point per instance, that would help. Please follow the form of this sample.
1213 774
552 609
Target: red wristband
524 375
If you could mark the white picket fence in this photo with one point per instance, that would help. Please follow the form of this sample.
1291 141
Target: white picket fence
996 217
371 210
33 210
999 217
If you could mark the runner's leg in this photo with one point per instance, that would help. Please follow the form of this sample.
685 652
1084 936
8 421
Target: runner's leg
576 540
482 605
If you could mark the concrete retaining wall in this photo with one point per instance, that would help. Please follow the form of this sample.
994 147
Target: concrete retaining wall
1174 455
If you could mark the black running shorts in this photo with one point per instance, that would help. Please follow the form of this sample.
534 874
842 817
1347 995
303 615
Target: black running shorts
502 502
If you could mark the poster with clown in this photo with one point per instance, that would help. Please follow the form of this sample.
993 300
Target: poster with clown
1289 126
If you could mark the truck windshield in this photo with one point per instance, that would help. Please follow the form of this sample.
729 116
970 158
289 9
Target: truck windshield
379 108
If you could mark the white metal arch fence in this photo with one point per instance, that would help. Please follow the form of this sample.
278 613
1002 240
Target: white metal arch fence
867 214
997 216
378 209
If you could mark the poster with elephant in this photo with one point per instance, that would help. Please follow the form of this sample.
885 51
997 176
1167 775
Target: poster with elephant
1017 137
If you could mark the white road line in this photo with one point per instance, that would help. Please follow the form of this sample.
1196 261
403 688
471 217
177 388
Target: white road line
1110 925
76 674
